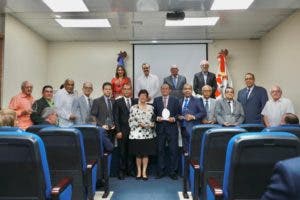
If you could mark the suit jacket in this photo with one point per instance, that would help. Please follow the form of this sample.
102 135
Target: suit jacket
121 114
100 111
82 110
210 115
38 106
176 90
285 182
254 104
199 83
223 112
173 107
195 108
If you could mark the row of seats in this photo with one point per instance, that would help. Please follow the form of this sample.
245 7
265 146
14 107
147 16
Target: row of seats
240 163
74 155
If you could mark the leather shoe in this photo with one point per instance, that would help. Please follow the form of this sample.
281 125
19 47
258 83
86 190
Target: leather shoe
173 176
145 178
138 177
159 176
121 176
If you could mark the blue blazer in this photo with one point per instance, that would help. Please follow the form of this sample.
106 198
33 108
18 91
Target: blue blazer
254 104
173 107
285 182
197 109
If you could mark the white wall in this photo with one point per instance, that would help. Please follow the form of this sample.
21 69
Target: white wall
85 61
25 58
279 59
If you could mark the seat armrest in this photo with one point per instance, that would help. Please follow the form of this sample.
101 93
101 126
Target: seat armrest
61 186
195 164
215 187
91 178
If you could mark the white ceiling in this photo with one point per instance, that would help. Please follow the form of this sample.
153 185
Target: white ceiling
144 19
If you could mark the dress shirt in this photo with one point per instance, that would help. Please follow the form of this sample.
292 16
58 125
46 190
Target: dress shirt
250 90
128 102
175 80
150 83
88 101
63 101
231 105
20 103
165 100
205 77
274 110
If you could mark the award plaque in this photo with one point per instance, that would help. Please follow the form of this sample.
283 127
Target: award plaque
165 114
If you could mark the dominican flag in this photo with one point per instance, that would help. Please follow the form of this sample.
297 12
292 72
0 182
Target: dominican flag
222 77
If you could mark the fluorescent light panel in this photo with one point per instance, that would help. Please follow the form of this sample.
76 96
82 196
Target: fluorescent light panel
203 21
66 5
231 4
84 23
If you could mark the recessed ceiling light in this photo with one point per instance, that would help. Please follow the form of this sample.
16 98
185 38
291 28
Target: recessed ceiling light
84 23
203 21
231 4
66 5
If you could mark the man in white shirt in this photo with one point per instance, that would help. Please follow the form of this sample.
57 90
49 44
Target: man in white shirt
276 107
148 81
63 101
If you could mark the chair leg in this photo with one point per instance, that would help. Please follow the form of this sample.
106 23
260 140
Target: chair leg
185 176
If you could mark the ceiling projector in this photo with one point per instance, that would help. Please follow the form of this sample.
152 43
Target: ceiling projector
176 15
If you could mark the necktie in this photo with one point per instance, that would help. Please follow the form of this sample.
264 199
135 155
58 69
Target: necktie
247 93
89 102
229 103
165 101
185 104
109 107
174 81
128 103
206 105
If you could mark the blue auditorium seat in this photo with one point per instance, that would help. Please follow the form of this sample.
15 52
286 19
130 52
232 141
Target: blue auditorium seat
250 158
66 156
252 127
97 149
194 154
24 169
295 129
212 158
10 128
37 128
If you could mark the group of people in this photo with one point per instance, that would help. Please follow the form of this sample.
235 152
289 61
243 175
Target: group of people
143 126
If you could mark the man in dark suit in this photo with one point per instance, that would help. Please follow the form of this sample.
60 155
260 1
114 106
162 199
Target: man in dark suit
176 82
166 109
205 78
102 111
81 106
192 112
285 182
121 111
39 105
253 99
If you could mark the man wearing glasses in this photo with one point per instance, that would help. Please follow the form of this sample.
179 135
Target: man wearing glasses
276 107
38 106
253 99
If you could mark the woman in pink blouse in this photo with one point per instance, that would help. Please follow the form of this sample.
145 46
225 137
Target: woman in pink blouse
119 80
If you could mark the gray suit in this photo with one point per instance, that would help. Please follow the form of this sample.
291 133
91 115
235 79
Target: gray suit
82 110
210 114
176 90
223 112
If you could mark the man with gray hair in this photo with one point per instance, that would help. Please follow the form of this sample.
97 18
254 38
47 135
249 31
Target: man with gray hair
209 105
49 115
82 105
175 81
276 107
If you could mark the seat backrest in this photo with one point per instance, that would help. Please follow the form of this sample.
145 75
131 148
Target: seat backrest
92 138
37 128
196 139
66 156
250 159
24 168
10 128
252 127
294 129
213 152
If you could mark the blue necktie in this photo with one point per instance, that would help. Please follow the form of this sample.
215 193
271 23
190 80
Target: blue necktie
174 81
185 108
247 93
206 106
